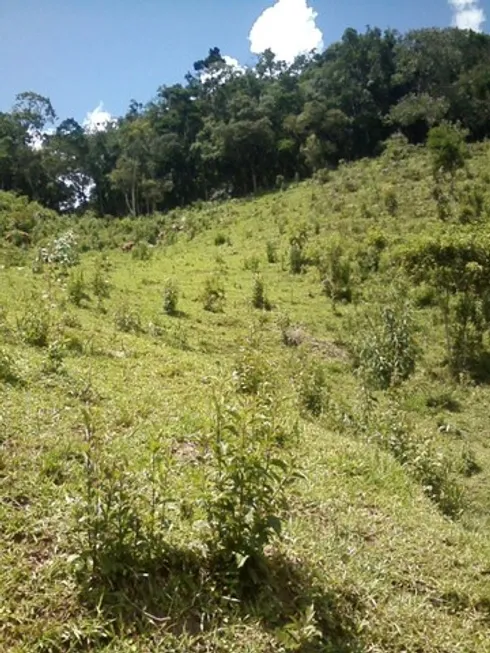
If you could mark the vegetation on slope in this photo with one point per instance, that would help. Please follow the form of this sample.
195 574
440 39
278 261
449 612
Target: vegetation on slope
256 435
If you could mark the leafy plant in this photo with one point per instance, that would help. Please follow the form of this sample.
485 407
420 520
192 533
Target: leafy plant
7 368
259 299
386 351
312 388
271 251
214 295
141 252
34 326
127 319
170 297
77 288
247 478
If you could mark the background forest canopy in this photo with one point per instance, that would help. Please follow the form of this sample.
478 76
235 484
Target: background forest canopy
230 131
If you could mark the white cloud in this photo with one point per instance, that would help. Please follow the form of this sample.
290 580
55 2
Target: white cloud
233 67
98 119
468 14
288 29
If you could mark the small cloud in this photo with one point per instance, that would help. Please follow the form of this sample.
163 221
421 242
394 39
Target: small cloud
288 29
468 14
98 120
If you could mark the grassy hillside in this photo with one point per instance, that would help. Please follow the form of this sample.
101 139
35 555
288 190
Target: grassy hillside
111 410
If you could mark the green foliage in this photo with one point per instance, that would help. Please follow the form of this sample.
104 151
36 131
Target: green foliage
214 295
34 326
447 146
127 319
456 264
170 297
62 251
221 239
335 271
247 478
259 299
77 288
313 387
7 368
252 263
271 251
141 252
386 351
391 201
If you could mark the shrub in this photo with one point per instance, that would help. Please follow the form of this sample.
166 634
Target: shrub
76 288
271 251
456 265
213 295
127 319
246 479
391 201
100 284
296 261
336 272
312 388
62 251
7 368
141 252
259 299
34 326
221 239
387 352
170 297
251 263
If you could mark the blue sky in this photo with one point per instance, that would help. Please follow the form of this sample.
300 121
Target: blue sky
82 52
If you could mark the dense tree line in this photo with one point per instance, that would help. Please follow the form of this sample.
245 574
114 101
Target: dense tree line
228 131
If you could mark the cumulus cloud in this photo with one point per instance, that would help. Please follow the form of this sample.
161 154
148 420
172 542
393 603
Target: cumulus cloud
98 119
468 14
288 29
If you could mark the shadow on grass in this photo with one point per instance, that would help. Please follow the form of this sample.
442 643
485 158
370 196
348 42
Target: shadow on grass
187 594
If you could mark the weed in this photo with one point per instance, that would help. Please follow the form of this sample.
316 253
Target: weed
8 373
312 388
170 297
127 319
387 352
141 252
77 288
271 251
34 326
214 295
259 299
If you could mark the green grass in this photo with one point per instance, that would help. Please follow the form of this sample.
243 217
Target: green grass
367 561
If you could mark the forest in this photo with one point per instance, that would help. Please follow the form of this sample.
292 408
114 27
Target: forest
229 132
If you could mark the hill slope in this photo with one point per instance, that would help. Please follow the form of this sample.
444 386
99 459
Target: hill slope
94 370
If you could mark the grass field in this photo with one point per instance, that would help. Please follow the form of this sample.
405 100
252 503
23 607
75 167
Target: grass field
103 394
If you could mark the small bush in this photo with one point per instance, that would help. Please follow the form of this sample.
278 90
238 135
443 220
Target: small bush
312 388
127 320
387 352
141 252
296 260
271 251
76 288
246 480
221 239
259 299
100 283
336 272
391 201
62 251
7 368
170 297
34 326
214 295
252 264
